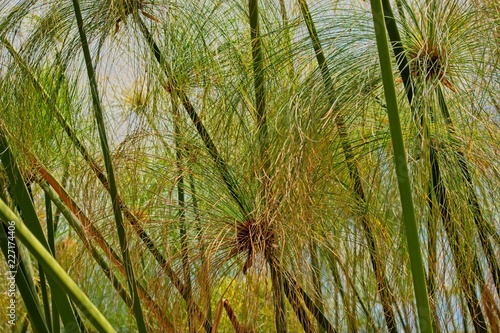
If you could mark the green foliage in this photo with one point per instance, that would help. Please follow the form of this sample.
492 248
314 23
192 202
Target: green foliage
208 150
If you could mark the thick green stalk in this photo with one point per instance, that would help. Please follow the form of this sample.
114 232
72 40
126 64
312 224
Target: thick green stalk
24 276
398 49
98 113
401 167
382 284
51 227
55 271
43 282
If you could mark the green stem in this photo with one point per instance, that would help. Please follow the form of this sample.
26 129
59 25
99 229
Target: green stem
438 187
24 276
45 297
398 49
41 276
258 75
401 167
98 113
288 40
382 284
